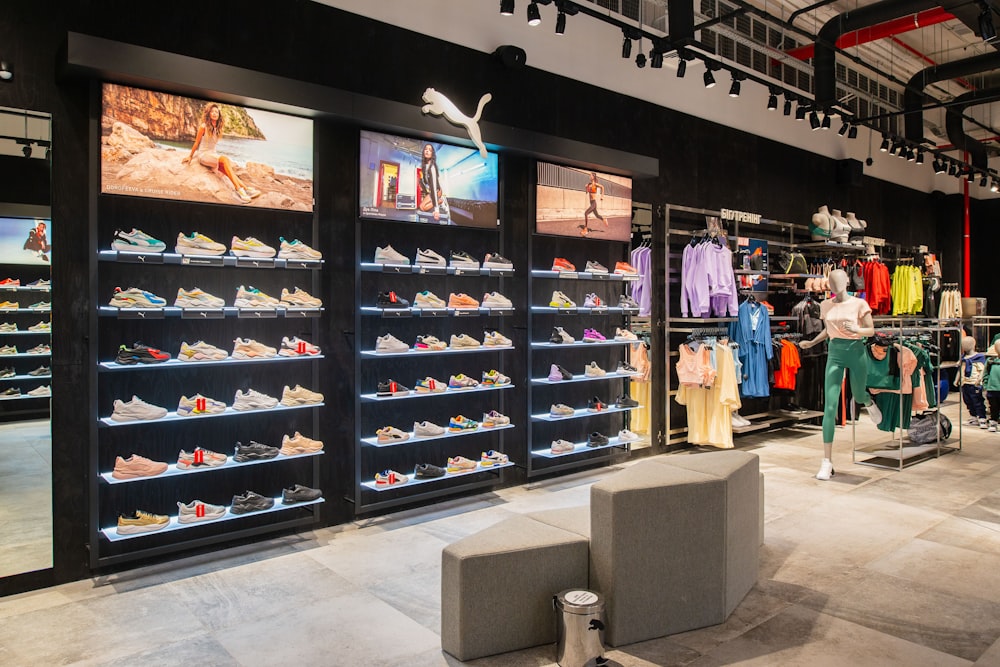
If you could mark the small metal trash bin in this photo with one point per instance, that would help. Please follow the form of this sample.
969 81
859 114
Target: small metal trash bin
580 631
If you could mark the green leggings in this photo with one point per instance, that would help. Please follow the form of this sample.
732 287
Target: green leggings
843 353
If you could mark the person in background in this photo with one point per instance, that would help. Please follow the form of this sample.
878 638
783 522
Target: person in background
37 242
594 189
209 133
432 196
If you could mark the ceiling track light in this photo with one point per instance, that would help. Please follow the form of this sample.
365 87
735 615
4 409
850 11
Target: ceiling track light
995 187
844 128
506 7
911 155
853 132
709 79
640 60
885 144
561 23
656 57
682 68
6 74
952 169
787 109
734 88
772 101
534 16
983 182
800 112
814 120
826 121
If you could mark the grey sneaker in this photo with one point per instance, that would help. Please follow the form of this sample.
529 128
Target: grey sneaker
41 371
560 410
255 451
427 429
196 511
299 494
250 502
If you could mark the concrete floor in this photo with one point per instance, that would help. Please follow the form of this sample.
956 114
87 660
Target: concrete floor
25 497
872 568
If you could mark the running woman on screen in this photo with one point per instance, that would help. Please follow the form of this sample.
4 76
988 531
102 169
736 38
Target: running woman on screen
209 133
592 188
37 242
432 197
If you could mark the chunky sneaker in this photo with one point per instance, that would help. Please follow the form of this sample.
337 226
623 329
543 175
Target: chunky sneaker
826 470
495 378
251 247
428 471
626 435
561 410
493 458
8 349
10 327
562 264
13 392
136 410
557 373
594 301
562 446
626 402
626 302
461 381
625 269
597 439
496 300
426 429
459 424
461 464
41 305
41 327
250 502
497 261
251 297
299 444
560 336
255 451
41 284
388 255
10 282
13 305
463 341
202 458
141 522
197 244
250 349
133 297
388 344
296 249
493 418
626 368
392 388
299 298
593 336
388 434
42 390
429 343
431 386
299 494
595 267
140 354
428 257
982 422
136 241
8 372
296 347
592 370
253 400
197 298
461 300
41 348
137 466
992 427
390 478
300 396
496 339
624 335
390 300
463 260
560 300
199 405
428 299
595 404
196 511
201 351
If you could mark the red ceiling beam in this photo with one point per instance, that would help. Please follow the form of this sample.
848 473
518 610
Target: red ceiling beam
881 31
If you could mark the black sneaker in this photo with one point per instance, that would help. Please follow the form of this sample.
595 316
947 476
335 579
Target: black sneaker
255 451
299 494
626 402
13 392
596 439
596 405
463 260
495 260
426 471
140 354
624 367
39 372
9 373
250 502
392 388
391 300
566 375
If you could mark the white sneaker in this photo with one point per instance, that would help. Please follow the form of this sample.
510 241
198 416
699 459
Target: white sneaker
196 298
560 300
595 267
300 396
251 297
135 410
197 244
560 333
251 247
561 410
739 421
391 434
592 370
496 339
196 511
496 300
296 249
993 427
875 414
43 390
299 298
428 299
137 241
625 334
463 341
562 446
983 424
388 255
389 343
253 400
427 429
201 351
626 435
826 470
429 257
296 347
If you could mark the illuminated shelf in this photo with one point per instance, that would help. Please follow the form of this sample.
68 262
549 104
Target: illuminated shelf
228 412
230 464
583 275
176 364
424 353
127 257
580 447
587 378
414 481
373 441
448 392
580 413
433 269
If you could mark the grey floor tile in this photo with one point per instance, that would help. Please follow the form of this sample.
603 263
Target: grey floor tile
944 568
417 594
756 608
368 559
192 650
965 534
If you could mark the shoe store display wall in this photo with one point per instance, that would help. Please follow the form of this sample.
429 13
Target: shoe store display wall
536 111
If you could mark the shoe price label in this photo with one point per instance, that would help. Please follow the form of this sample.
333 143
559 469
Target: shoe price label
501 272
202 314
602 276
258 314
199 404
299 264
141 313
397 268
567 310
199 511
393 313
297 312
466 312
203 260
432 270
254 263
433 312
140 258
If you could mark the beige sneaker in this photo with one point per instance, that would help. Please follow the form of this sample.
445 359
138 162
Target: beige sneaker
250 349
299 299
141 522
300 396
300 444
137 466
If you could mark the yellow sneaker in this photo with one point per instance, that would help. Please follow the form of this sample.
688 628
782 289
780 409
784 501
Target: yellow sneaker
141 522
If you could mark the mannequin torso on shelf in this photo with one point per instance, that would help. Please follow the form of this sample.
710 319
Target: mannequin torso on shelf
853 222
821 225
840 229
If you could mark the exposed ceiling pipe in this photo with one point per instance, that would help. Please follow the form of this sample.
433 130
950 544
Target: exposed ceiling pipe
954 124
805 10
874 33
913 95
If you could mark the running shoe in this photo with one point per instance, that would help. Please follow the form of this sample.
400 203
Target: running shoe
251 247
595 267
11 327
201 351
300 396
428 299
392 388
430 386
41 326
627 303
426 429
428 471
559 336
40 372
296 249
197 298
388 255
251 297
461 464
428 257
625 269
493 458
8 349
389 300
13 392
42 284
557 373
562 264
463 341
141 522
561 410
136 410
40 391
592 370
461 381
594 301
463 260
389 344
7 373
200 457
495 378
299 298
497 261
496 300
560 300
250 502
137 466
140 354
623 401
196 511
136 241
199 405
296 347
593 336
625 335
299 444
255 451
299 494
626 435
41 305
461 300
390 478
626 368
10 282
389 434
597 439
459 424
493 338
250 349
133 297
251 399
429 343
494 418
562 446
197 244
9 305
595 404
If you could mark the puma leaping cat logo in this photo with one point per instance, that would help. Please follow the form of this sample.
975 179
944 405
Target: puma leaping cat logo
439 105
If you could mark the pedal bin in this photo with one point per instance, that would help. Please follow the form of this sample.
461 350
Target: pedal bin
580 621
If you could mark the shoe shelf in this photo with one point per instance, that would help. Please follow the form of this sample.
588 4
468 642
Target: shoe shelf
373 441
395 313
581 310
580 413
24 397
173 471
446 392
588 378
579 447
26 377
580 343
414 481
17 311
751 272
176 364
432 270
112 535
206 313
25 355
423 353
228 412
582 275
25 333
25 288
207 260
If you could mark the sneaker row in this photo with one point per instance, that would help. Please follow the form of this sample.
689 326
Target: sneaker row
455 465
246 297
557 373
14 305
389 344
560 337
201 351
429 300
427 257
37 392
16 282
591 300
561 264
594 404
138 410
38 349
427 429
595 439
199 244
428 385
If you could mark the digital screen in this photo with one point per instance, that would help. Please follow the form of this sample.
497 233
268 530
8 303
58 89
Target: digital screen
414 180
165 146
579 202
25 241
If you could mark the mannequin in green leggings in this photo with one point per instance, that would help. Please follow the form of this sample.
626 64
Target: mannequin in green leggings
848 319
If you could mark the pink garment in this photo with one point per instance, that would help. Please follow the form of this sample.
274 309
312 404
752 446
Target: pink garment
694 369
907 364
835 313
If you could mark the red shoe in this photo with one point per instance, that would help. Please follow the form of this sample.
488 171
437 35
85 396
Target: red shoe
10 282
562 264
625 269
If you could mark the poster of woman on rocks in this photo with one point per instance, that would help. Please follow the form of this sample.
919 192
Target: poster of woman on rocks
165 146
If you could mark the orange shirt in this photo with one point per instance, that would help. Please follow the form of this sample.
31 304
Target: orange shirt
784 377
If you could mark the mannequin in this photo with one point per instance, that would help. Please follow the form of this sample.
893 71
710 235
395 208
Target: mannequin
970 378
821 225
847 320
840 230
853 222
992 383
